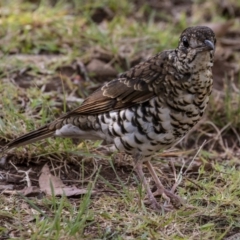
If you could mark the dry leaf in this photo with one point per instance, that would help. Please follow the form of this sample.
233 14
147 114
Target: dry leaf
6 186
234 43
102 54
101 69
220 29
30 191
46 179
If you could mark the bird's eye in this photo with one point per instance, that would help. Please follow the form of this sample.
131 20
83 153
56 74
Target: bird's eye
185 42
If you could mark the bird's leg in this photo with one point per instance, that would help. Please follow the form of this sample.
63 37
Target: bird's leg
152 199
166 194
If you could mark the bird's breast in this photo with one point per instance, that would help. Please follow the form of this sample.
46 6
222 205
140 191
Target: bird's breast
160 122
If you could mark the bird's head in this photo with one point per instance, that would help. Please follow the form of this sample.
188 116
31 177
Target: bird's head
196 48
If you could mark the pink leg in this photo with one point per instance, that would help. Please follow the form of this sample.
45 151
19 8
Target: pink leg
166 194
152 199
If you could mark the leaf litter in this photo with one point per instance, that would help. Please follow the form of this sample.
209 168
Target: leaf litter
51 184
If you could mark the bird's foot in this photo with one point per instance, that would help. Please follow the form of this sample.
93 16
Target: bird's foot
157 207
170 197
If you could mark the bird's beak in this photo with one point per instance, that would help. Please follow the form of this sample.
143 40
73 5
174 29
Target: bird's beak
208 45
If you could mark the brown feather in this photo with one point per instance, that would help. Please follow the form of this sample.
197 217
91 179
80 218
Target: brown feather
132 87
30 137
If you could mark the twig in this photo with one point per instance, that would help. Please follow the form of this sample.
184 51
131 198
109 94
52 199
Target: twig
27 179
181 174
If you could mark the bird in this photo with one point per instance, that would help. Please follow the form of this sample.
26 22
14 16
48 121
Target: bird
146 109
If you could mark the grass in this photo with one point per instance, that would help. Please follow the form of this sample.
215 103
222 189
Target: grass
41 44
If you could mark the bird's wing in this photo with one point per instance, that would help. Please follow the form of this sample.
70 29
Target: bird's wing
134 86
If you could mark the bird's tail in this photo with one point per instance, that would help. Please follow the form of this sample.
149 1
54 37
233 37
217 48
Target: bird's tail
31 137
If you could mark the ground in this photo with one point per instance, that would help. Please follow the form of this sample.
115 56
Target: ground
54 54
